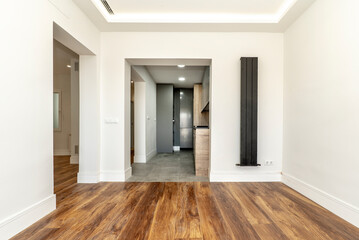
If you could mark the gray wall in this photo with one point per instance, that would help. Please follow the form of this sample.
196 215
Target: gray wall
164 118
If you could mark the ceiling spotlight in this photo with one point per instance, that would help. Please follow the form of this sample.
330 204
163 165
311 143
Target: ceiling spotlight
181 93
181 79
69 66
181 66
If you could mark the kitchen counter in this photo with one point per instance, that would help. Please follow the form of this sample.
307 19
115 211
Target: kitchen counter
201 150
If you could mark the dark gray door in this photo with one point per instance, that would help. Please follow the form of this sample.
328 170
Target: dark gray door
186 118
164 118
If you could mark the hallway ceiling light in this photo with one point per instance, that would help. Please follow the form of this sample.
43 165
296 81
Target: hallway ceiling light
181 66
69 66
181 79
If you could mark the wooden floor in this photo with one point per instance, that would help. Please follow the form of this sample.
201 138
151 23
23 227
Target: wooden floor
158 211
65 176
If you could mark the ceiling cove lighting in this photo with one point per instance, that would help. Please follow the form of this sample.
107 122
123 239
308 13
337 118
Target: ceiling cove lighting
181 66
128 17
181 79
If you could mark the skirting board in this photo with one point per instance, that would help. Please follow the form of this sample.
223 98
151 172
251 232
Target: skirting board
344 210
62 152
128 173
115 176
151 155
238 177
74 159
140 159
87 177
23 219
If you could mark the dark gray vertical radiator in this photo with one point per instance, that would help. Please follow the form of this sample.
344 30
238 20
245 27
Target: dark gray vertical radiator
249 111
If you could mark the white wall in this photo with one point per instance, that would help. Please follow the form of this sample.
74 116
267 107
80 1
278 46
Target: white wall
225 50
150 103
140 122
26 94
321 117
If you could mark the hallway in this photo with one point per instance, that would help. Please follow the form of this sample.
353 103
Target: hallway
167 167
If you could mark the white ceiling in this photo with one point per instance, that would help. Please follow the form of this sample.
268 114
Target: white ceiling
197 6
195 16
170 75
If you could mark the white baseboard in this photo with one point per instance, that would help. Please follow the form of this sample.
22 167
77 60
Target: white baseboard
176 148
337 206
74 159
62 152
151 155
128 173
115 176
14 224
140 159
87 177
238 177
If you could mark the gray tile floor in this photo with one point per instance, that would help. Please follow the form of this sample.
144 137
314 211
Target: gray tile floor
167 167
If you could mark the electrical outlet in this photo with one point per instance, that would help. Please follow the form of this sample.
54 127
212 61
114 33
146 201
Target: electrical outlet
268 162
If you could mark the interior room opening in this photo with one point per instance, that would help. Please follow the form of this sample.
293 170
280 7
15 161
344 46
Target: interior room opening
170 121
65 117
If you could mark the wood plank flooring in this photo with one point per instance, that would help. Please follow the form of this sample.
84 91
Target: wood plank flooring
180 210
65 176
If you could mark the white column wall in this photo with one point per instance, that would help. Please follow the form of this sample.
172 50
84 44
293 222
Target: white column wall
140 122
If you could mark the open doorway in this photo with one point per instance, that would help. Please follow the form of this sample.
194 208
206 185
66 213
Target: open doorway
170 112
65 118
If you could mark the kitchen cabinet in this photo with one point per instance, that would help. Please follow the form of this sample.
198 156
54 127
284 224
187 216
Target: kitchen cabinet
199 118
201 151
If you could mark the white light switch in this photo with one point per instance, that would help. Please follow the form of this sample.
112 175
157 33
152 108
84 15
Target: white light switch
111 120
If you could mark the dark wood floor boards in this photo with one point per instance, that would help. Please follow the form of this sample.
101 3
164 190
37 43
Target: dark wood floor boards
164 221
138 227
65 174
279 211
212 222
192 211
230 207
322 222
187 216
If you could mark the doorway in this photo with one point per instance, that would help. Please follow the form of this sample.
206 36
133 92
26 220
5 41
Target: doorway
164 103
65 118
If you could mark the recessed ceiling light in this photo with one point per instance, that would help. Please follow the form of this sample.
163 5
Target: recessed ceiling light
181 79
181 66
181 93
69 66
